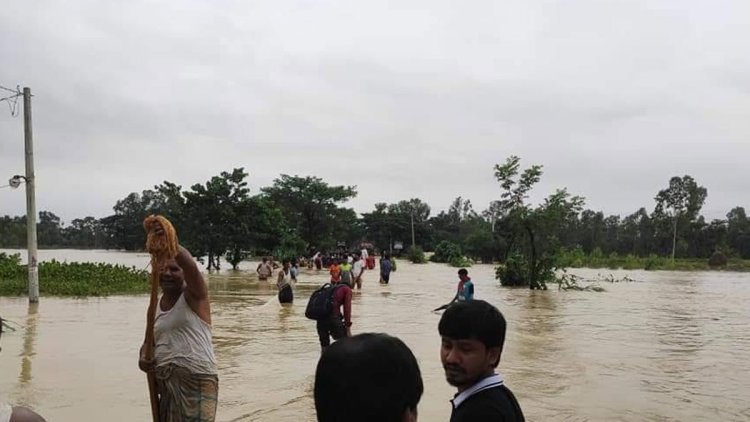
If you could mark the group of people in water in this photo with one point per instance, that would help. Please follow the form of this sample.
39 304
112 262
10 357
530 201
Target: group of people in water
344 268
366 377
369 377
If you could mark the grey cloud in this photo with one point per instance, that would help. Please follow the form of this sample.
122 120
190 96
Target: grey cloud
419 100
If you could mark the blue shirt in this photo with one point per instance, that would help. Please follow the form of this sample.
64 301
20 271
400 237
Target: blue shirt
465 290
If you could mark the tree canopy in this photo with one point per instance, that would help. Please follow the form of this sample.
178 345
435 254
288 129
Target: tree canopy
221 219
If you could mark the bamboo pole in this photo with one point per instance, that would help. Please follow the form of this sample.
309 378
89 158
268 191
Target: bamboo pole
149 342
162 244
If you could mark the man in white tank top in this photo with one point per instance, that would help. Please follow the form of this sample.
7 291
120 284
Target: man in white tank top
184 362
285 283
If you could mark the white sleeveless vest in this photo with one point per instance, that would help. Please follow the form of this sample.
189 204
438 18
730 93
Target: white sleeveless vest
181 337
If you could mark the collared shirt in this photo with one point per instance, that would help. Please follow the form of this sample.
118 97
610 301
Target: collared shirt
494 380
5 412
487 400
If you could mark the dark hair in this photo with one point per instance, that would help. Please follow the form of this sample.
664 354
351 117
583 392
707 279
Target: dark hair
474 319
367 378
463 271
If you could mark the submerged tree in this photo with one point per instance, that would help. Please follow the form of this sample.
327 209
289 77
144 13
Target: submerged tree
532 232
221 218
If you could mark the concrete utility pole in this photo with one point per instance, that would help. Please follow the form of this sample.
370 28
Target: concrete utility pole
30 199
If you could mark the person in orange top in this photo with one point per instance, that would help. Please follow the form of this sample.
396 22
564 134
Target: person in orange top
335 271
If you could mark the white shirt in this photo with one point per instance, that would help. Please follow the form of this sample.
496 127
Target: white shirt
182 337
5 412
357 268
365 254
492 381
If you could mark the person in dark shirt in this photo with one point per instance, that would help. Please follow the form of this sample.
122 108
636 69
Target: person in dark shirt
367 378
473 334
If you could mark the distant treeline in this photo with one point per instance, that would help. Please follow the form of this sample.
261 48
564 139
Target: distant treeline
296 215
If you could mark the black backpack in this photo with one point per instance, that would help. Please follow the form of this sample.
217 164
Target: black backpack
320 304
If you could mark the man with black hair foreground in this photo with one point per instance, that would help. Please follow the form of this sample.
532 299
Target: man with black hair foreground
367 378
472 335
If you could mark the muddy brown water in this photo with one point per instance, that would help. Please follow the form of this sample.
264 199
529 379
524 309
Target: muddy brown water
671 346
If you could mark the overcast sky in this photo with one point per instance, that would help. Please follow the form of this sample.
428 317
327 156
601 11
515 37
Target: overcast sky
402 99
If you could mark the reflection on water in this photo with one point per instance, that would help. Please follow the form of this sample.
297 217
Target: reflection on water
670 347
29 338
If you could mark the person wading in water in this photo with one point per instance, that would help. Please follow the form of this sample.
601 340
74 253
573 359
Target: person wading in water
264 269
464 291
284 283
184 362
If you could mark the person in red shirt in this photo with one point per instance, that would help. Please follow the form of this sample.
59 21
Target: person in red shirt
338 324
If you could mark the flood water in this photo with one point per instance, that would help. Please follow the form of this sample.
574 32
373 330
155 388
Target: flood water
671 346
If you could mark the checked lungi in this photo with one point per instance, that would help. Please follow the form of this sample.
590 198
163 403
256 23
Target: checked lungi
185 396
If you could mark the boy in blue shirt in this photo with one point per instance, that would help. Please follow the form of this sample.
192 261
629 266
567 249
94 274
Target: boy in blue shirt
465 291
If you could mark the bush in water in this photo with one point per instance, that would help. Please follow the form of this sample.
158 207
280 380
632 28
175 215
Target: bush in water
72 279
415 254
718 259
459 262
445 251
513 271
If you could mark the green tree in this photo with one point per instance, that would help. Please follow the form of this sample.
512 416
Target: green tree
482 244
49 230
534 232
216 217
636 234
680 202
13 232
310 206
445 251
125 227
738 232
259 227
378 227
84 233
407 216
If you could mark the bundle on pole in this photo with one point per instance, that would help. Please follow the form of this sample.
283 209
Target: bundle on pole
161 243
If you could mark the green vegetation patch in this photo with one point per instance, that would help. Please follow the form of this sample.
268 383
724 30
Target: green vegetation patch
72 279
415 254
